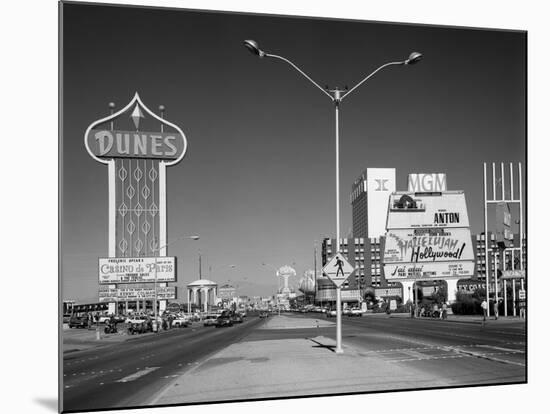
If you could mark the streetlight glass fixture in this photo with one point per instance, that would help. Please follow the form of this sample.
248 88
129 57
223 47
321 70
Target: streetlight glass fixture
252 45
414 57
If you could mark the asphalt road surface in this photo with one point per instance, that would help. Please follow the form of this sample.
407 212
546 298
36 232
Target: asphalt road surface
128 374
462 353
131 373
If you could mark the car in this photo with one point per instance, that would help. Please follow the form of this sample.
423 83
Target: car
78 321
209 320
180 322
138 327
224 320
263 314
355 312
330 313
103 318
236 318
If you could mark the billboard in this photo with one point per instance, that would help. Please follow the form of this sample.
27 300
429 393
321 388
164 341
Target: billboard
104 143
108 294
427 183
503 219
427 271
409 210
428 245
136 269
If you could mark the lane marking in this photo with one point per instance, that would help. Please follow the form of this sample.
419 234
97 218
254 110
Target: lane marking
498 348
138 374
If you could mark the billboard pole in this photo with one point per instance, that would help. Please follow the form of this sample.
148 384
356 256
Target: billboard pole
485 237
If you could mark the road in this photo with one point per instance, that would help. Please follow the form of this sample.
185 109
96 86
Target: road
462 353
131 373
128 374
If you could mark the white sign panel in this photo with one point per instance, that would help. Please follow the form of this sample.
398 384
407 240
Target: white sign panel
427 183
427 271
428 245
136 269
521 294
407 210
126 293
338 269
380 184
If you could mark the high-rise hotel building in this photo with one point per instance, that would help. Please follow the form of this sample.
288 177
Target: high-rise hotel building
369 203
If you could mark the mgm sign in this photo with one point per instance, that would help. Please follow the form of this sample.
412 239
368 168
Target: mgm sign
136 145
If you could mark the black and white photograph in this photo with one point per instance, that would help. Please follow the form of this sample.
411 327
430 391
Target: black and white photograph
287 206
275 208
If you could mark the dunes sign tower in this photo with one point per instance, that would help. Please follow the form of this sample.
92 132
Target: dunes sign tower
136 145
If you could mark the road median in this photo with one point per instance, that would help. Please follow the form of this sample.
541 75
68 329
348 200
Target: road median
286 368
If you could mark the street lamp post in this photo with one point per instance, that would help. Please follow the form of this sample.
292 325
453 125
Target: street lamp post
336 96
194 237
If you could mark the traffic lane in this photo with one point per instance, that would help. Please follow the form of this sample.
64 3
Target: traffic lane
431 339
445 333
130 373
468 355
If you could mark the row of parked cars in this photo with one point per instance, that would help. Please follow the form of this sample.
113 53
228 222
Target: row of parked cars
141 323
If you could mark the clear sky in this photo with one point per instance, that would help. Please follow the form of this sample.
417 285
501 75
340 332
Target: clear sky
257 182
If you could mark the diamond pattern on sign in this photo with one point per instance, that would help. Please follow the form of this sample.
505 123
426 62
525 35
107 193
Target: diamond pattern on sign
123 209
138 245
123 245
153 210
138 173
122 173
130 191
131 227
153 174
145 192
145 227
138 210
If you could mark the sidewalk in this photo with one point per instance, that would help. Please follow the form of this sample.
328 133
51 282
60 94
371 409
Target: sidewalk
477 319
289 367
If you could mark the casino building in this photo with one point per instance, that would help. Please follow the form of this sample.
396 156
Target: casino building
403 238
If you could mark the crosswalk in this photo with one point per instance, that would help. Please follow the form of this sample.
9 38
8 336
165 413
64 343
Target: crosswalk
505 354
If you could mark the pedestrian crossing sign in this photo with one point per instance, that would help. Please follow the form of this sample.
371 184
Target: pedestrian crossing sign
338 269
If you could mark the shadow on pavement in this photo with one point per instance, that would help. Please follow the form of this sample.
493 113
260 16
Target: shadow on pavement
49 403
320 345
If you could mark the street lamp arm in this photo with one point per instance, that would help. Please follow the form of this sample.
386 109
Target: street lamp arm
158 249
370 76
301 71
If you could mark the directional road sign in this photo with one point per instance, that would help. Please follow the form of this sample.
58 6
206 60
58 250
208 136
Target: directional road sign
338 269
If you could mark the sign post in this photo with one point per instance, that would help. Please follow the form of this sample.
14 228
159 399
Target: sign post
338 270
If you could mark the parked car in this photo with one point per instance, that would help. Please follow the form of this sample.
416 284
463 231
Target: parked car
209 320
138 327
78 321
264 314
103 318
180 322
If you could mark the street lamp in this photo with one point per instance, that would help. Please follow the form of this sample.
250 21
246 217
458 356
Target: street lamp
336 96
194 237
